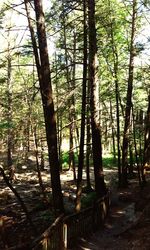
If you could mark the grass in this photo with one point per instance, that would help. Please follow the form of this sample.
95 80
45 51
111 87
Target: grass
109 162
65 160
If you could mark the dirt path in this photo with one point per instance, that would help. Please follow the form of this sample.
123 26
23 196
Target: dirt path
107 238
127 226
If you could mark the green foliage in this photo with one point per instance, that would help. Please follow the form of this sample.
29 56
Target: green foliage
65 159
109 162
65 165
2 80
5 125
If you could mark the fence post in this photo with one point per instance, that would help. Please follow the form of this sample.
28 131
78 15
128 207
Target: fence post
65 236
94 216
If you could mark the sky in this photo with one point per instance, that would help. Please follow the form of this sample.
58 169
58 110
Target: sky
19 32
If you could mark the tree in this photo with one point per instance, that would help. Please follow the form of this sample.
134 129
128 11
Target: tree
127 121
40 50
9 113
112 54
83 109
146 158
100 186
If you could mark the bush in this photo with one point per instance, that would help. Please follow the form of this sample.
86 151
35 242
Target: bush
65 159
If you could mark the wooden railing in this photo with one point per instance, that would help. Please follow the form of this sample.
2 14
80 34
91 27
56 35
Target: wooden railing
52 238
65 231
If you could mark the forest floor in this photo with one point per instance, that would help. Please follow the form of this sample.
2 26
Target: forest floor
127 226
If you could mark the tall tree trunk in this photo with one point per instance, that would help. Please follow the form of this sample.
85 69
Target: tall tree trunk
128 99
83 109
118 126
100 186
43 69
88 138
37 161
141 135
135 149
59 118
42 164
117 96
113 131
70 104
73 110
130 166
146 157
9 113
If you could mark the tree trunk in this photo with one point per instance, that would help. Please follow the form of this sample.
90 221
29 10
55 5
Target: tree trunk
37 161
130 167
21 202
59 118
9 113
42 165
135 149
113 131
73 109
117 97
83 109
88 138
146 157
128 100
43 69
70 103
100 186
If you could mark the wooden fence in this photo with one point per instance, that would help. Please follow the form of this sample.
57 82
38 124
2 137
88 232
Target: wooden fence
65 231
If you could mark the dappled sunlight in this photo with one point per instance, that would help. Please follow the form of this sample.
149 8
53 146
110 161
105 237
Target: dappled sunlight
32 176
120 212
85 242
110 175
121 217
112 170
68 175
24 167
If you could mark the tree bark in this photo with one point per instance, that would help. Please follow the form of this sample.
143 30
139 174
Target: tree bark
43 69
37 162
59 117
146 157
9 113
70 100
88 138
83 109
113 130
135 149
117 97
100 186
128 99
